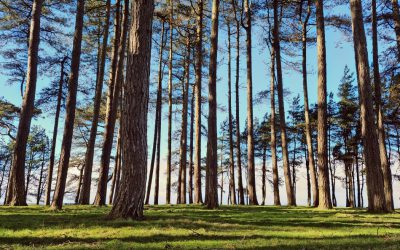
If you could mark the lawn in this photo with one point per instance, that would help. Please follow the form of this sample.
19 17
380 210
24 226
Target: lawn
194 227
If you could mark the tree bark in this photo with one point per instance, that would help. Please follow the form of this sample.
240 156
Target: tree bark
375 184
310 150
396 19
212 147
55 132
117 170
70 110
130 201
88 165
285 157
16 187
386 171
323 177
191 165
198 72
274 161
112 110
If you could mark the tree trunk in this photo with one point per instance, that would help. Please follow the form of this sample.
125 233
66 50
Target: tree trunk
157 178
396 19
130 201
274 161
112 110
117 170
70 110
308 179
285 157
375 184
78 192
386 171
323 181
55 132
171 34
231 160
251 178
198 72
212 147
39 191
310 150
88 166
264 175
156 137
16 187
191 169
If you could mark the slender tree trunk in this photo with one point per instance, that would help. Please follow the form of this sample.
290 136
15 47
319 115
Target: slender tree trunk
285 157
274 161
40 184
308 178
386 171
231 160
198 72
251 185
55 132
117 169
156 137
396 19
169 154
212 147
130 201
313 175
88 166
157 178
70 110
323 181
28 174
375 183
264 176
16 187
118 177
78 192
112 110
191 169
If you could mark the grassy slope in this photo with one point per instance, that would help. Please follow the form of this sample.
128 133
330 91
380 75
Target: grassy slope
165 227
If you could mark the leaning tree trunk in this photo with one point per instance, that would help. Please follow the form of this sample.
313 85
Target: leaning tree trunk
156 137
212 147
88 166
386 171
198 72
112 110
171 33
130 200
396 19
232 192
70 110
285 157
375 183
323 181
55 132
274 161
117 170
16 187
310 150
251 175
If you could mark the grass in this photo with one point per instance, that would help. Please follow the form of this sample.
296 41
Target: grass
194 227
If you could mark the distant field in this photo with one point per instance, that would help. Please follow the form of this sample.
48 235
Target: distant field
193 227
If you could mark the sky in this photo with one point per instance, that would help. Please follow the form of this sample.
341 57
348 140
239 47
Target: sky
339 54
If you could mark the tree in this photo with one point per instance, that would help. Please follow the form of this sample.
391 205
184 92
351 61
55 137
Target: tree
16 192
396 19
212 144
70 109
323 177
375 186
130 201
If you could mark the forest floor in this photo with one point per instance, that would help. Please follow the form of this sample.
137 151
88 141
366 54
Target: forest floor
194 227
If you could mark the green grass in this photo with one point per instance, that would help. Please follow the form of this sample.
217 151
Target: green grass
194 227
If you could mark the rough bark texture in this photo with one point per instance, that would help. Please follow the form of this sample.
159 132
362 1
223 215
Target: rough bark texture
88 166
396 19
130 200
251 176
198 70
386 171
375 186
274 161
171 34
232 192
212 149
16 187
70 109
111 116
285 157
55 132
323 177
